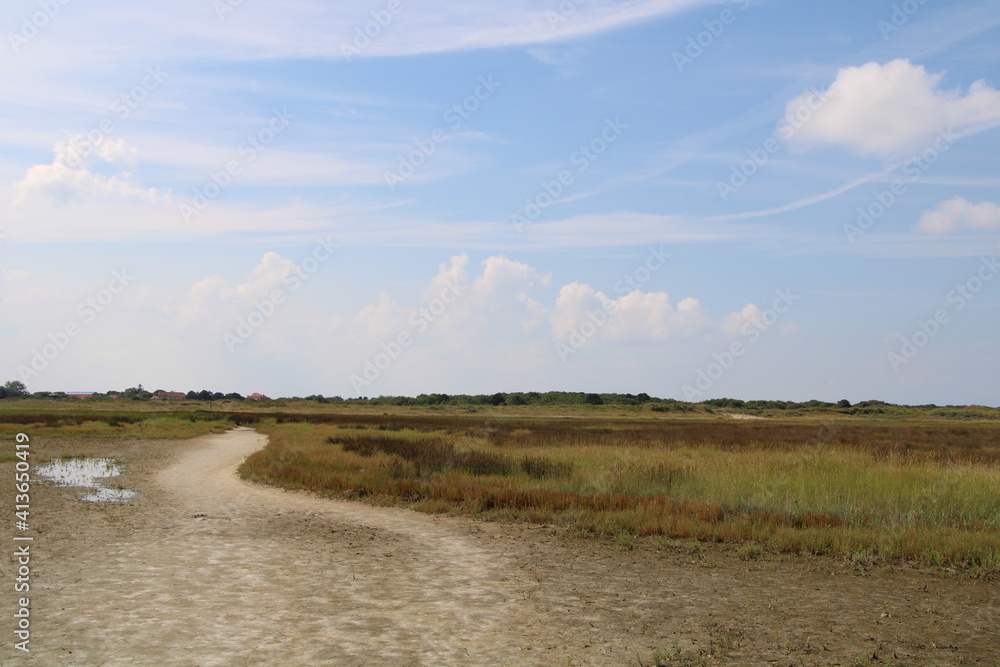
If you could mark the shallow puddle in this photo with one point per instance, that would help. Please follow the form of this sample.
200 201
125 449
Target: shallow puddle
87 473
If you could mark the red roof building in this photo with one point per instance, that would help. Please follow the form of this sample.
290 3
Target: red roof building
258 397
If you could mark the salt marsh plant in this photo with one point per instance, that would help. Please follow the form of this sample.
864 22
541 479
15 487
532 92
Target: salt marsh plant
917 492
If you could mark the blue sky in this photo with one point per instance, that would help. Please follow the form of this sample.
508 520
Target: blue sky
690 199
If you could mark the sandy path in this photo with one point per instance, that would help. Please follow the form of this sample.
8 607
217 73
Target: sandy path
205 569
232 573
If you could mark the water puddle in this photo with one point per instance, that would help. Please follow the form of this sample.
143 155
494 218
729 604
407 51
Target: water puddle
87 473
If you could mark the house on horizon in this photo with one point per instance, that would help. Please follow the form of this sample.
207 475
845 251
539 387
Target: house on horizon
168 396
258 397
81 394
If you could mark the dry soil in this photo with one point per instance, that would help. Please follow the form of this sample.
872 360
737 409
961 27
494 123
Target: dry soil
205 569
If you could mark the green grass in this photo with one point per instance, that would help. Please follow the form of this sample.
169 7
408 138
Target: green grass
117 425
925 493
917 486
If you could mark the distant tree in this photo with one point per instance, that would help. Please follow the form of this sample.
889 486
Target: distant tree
136 393
593 399
15 389
516 399
843 403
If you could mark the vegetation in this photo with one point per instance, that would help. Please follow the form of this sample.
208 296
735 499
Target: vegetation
561 400
14 389
915 492
114 425
915 483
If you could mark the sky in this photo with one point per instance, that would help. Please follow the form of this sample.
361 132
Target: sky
758 199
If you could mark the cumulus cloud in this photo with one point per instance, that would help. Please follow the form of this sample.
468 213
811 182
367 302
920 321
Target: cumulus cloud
735 324
71 176
636 316
959 213
879 109
268 275
214 300
495 320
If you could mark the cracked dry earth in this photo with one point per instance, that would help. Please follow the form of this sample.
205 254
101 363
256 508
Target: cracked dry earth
205 569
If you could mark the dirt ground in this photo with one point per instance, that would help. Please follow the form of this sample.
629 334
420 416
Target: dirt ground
205 569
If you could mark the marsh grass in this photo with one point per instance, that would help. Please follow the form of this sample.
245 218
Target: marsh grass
900 500
114 425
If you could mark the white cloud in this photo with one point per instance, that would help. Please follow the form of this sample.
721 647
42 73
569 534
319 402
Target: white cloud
69 177
462 314
381 321
959 213
733 325
267 276
495 304
636 316
212 302
880 109
314 28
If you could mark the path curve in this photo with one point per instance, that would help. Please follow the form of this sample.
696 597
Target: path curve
232 573
205 569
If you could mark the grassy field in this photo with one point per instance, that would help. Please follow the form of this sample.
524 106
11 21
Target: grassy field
907 485
918 491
